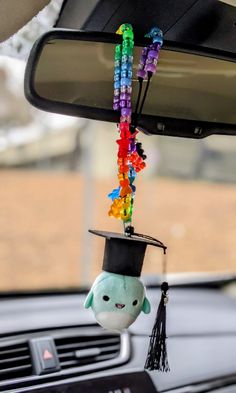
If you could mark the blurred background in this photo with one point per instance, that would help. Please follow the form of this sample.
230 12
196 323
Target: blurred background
56 172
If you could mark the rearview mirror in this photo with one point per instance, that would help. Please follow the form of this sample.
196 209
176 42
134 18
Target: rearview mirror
192 94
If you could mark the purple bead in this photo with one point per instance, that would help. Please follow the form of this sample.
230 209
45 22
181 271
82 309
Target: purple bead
123 104
116 92
151 61
116 106
126 89
116 99
125 96
141 74
132 145
126 112
153 54
145 51
128 104
150 68
143 59
141 66
156 46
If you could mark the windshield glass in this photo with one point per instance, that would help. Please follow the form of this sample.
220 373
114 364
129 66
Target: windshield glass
56 173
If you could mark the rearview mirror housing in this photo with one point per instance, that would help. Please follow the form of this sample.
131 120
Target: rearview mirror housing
192 95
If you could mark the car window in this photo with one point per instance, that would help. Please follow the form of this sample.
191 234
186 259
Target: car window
56 173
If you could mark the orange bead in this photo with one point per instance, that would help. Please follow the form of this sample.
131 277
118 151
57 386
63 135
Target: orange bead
124 182
122 176
125 191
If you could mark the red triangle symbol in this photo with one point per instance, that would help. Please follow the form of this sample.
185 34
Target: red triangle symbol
47 355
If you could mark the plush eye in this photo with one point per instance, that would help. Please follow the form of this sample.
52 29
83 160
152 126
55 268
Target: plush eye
106 298
135 302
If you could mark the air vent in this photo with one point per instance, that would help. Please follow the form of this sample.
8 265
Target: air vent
15 361
78 351
81 350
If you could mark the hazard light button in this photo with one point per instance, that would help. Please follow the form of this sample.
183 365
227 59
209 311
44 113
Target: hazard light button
44 355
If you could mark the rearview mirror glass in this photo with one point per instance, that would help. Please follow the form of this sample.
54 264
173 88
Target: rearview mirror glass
75 76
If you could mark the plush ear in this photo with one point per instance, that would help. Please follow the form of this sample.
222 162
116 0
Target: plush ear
89 299
146 308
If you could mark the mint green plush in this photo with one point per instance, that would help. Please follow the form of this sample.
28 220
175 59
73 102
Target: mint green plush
121 291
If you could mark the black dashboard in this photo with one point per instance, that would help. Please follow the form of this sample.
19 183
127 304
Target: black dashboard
201 346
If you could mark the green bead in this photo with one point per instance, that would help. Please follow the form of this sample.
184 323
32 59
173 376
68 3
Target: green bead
118 48
127 51
128 44
127 31
128 34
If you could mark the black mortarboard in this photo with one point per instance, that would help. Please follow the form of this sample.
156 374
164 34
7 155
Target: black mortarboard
124 254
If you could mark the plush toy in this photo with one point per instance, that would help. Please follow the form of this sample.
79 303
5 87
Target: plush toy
117 300
118 295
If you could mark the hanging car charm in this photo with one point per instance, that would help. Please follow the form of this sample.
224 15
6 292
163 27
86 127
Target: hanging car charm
118 295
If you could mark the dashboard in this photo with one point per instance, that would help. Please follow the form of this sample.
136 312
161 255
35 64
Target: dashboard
49 343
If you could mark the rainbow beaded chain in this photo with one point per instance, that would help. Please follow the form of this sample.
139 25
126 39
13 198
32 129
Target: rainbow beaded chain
129 161
149 57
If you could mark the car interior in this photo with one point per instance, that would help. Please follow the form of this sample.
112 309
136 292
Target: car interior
58 148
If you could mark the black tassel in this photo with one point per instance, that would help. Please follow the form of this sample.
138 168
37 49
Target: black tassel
157 352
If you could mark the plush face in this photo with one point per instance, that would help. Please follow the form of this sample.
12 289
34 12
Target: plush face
117 300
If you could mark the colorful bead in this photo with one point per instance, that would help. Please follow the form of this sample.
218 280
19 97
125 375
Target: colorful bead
116 106
125 96
150 68
128 159
153 54
141 74
126 111
117 85
114 194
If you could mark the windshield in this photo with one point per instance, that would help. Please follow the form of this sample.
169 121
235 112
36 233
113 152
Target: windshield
56 173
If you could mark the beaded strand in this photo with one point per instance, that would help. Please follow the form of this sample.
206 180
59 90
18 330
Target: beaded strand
129 161
150 55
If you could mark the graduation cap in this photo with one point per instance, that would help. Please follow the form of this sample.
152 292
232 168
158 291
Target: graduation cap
124 253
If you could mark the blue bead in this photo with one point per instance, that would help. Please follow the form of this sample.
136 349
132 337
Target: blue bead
116 78
132 173
157 40
117 70
117 85
114 194
125 82
126 73
126 66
